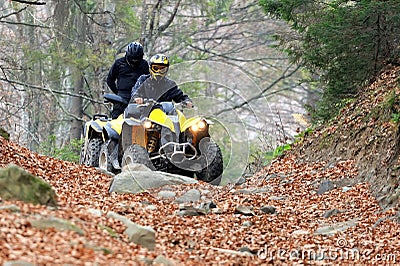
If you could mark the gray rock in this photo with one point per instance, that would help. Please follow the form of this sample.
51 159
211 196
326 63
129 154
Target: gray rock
268 209
151 207
240 181
262 190
345 189
245 210
166 194
276 198
189 212
56 223
12 208
119 217
191 195
331 213
135 167
139 181
95 212
247 249
161 260
243 191
233 252
207 206
247 224
18 184
325 186
335 228
141 235
300 232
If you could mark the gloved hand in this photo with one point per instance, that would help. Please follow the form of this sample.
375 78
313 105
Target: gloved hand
139 100
188 104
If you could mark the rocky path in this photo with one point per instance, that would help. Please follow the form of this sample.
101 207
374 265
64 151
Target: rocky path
288 213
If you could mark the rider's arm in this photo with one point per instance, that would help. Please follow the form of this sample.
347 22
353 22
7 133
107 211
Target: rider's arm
112 77
178 96
136 87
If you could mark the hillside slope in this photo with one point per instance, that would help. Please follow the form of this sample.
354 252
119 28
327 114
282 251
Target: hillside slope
368 132
314 205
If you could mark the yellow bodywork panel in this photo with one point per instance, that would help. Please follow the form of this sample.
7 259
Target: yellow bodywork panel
116 124
159 117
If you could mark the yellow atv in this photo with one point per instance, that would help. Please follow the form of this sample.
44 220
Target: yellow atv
93 135
93 140
158 135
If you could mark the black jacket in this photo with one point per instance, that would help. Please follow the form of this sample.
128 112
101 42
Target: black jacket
160 89
126 76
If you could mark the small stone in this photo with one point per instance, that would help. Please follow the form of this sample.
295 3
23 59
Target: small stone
331 213
247 224
268 209
245 210
325 186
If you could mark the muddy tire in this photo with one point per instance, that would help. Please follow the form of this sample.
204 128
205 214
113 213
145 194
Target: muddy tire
136 154
91 156
105 160
214 164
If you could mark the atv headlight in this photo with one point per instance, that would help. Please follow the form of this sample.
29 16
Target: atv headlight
201 124
198 126
147 124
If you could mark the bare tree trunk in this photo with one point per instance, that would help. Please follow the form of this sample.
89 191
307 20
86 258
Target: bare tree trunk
76 108
77 102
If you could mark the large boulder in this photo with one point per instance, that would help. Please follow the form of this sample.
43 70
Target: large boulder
18 184
138 178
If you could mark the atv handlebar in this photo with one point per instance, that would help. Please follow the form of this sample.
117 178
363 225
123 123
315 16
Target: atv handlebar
147 102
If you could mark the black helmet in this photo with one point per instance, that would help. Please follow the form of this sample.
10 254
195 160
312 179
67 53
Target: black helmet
134 52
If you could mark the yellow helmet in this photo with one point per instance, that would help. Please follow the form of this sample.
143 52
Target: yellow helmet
159 65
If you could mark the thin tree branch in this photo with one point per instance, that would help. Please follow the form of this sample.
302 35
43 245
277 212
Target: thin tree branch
171 18
260 94
29 2
50 90
24 24
13 13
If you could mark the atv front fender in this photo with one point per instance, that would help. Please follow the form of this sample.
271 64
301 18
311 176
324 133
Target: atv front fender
110 133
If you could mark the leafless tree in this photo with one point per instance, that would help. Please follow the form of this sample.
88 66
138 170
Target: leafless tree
63 66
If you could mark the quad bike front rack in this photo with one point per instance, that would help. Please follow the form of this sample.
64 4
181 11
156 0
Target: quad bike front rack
176 152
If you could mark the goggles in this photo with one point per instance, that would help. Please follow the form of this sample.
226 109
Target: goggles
161 69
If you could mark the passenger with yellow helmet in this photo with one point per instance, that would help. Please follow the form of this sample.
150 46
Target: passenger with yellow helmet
157 86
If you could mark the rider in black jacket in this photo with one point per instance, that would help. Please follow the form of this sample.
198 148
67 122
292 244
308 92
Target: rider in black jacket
157 86
125 71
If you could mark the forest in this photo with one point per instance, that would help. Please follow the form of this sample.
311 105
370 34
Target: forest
304 100
266 70
222 55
